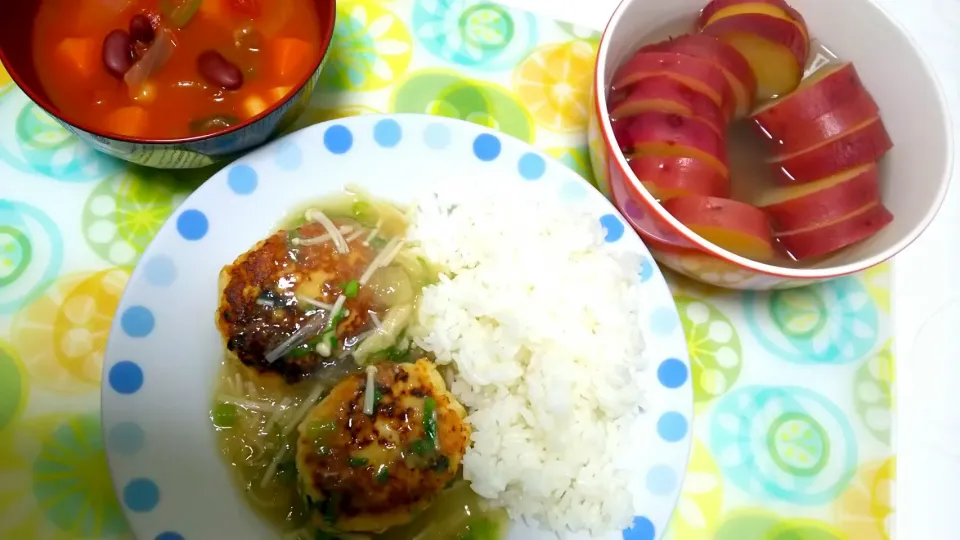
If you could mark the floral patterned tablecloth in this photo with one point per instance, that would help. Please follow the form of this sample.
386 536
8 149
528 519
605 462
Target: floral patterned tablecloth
794 389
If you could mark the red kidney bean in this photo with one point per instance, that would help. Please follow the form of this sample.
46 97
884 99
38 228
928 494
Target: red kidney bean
117 53
141 29
219 71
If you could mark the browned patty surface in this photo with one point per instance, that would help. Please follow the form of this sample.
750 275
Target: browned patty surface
273 270
385 484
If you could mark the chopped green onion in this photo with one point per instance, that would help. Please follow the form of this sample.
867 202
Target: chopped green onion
351 289
360 207
358 461
378 243
392 354
421 447
318 431
364 212
377 396
330 508
335 319
225 415
430 419
383 474
300 351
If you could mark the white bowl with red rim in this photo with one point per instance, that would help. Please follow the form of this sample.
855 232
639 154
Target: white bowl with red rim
914 175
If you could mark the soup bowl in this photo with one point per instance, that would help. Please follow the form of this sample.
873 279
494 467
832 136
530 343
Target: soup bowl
16 54
914 175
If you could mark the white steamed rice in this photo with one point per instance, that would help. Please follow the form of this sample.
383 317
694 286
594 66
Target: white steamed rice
540 320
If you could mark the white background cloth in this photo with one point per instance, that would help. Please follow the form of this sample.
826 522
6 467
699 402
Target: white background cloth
926 295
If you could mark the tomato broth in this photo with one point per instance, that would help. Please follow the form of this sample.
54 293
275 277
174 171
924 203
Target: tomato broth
168 69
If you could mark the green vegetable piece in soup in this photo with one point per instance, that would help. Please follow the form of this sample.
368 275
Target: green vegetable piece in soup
383 474
364 213
225 415
213 123
179 12
358 462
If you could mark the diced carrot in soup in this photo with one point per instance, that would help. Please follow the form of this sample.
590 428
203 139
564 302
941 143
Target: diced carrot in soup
253 106
233 59
280 92
79 54
131 121
213 8
272 21
291 58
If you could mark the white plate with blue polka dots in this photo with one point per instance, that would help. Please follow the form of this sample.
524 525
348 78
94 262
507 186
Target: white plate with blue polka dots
164 351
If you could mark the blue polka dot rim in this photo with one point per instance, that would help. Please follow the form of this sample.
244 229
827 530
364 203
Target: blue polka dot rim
160 271
125 377
486 147
387 133
338 139
242 179
137 321
289 157
642 529
672 427
614 226
192 224
141 495
672 373
126 438
436 136
531 166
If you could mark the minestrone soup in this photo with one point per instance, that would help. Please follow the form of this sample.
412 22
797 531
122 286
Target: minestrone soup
165 69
